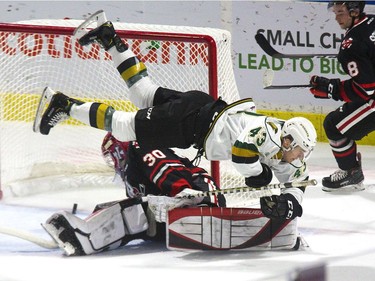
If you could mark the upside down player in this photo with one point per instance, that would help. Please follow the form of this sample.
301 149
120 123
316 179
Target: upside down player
157 172
257 145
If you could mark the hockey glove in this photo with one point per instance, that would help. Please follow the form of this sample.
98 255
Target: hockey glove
160 205
264 178
283 206
324 88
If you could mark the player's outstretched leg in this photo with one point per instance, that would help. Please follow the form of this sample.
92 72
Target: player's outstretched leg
132 70
56 112
345 179
94 114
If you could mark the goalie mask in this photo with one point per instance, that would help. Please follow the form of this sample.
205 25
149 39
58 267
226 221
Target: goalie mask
114 152
302 133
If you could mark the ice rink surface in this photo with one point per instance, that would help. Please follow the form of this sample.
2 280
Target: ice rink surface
339 230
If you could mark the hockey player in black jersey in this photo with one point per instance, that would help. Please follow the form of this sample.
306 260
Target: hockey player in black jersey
356 117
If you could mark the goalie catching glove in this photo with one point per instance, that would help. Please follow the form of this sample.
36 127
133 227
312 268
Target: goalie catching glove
324 88
263 179
283 206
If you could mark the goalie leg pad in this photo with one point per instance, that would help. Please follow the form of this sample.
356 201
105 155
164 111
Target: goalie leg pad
207 228
101 231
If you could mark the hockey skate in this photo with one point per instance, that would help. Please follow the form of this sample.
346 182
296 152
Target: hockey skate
56 112
95 20
345 180
63 233
104 33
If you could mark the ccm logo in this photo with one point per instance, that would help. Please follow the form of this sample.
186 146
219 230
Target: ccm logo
148 116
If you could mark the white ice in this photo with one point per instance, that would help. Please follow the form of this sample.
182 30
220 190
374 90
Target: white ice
338 228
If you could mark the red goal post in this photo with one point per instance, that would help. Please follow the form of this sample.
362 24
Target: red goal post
39 53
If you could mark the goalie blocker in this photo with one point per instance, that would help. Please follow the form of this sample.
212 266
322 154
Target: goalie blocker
114 224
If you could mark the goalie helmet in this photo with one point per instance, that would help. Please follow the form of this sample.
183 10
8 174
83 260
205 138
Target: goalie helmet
114 152
302 133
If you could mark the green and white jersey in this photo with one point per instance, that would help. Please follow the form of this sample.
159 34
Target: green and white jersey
249 139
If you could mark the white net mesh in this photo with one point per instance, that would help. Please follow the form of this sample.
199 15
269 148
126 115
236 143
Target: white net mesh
40 53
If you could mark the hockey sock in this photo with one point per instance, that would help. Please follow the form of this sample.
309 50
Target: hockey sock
129 66
97 115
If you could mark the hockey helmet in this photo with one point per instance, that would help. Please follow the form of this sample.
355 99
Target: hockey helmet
302 133
114 152
350 5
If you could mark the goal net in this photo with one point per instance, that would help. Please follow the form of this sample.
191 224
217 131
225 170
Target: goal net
39 53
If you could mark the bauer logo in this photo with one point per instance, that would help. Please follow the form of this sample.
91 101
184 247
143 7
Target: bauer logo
65 47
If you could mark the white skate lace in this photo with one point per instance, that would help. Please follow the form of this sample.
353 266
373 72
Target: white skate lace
339 175
58 117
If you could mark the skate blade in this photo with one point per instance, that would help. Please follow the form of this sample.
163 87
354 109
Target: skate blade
98 17
345 189
44 99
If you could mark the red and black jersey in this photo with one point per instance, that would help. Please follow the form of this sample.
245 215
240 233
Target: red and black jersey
357 58
162 172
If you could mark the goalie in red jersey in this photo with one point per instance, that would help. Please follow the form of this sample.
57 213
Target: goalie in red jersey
154 171
161 176
158 172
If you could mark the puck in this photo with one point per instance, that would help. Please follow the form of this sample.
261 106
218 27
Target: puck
74 209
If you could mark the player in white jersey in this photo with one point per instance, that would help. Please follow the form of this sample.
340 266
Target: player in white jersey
256 144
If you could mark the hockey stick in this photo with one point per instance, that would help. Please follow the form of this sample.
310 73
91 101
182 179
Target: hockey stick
27 236
268 79
269 50
249 188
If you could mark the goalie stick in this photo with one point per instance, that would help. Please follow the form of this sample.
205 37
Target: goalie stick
269 50
268 79
27 236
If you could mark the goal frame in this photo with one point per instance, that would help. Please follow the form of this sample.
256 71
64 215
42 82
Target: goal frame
141 35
